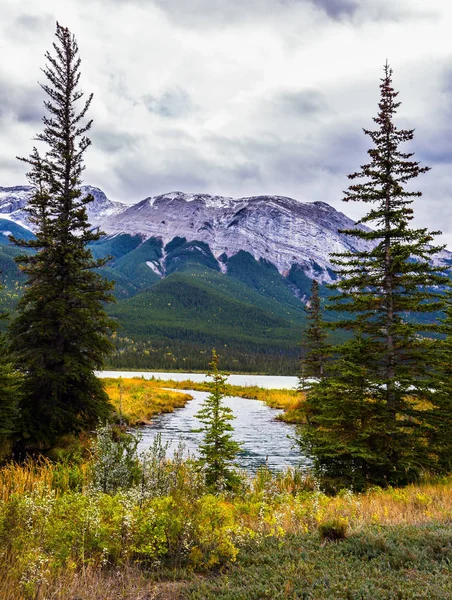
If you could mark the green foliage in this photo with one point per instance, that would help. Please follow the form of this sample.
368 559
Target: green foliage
114 246
186 255
369 423
334 529
217 450
350 430
60 335
164 476
54 523
10 396
263 277
439 392
188 313
409 563
132 264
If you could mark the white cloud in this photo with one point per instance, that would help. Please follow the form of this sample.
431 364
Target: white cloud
236 98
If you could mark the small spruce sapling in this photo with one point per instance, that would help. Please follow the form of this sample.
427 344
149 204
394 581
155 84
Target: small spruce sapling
217 450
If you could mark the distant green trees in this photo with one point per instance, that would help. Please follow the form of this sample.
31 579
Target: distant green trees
315 348
370 421
217 450
60 335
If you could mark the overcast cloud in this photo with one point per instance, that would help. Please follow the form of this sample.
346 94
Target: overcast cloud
237 97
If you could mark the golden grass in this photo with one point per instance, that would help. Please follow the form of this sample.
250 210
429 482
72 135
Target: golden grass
138 400
270 507
38 477
421 504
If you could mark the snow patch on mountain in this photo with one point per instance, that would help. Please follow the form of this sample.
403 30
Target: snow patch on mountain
13 201
155 266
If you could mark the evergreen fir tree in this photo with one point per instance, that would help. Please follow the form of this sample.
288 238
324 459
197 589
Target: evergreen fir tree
218 450
60 335
440 393
350 432
384 290
314 345
10 393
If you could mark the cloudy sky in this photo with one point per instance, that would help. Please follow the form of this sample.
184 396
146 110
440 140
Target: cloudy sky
237 97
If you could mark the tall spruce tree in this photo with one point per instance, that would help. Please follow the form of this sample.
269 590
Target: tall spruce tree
60 335
385 290
10 393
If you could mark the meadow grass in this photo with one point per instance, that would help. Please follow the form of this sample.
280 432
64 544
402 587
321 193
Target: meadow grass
60 538
164 535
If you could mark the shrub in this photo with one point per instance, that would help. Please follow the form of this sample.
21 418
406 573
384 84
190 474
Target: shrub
115 464
334 529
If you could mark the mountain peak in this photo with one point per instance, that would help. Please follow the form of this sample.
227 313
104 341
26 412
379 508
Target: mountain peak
14 199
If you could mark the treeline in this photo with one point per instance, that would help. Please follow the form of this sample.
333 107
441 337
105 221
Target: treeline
191 356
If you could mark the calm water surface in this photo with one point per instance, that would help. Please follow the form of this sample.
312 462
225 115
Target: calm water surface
265 440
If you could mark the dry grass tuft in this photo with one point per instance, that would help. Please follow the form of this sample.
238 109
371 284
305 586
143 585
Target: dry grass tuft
127 583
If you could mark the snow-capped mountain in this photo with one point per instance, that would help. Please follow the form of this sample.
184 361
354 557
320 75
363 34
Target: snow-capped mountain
14 199
277 229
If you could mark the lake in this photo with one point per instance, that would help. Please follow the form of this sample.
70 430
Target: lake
265 440
276 382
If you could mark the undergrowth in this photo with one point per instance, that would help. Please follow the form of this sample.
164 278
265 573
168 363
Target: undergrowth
118 512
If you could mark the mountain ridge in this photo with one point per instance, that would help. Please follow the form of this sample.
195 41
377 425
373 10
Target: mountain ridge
278 229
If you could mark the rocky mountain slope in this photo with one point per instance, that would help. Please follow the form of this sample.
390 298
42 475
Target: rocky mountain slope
276 229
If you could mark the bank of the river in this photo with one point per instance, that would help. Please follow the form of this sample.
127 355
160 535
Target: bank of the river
264 381
290 401
137 401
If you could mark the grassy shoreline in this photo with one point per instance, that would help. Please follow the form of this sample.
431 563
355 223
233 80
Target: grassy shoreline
291 401
137 400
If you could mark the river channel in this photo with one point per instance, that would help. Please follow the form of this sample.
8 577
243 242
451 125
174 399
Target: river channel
264 439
